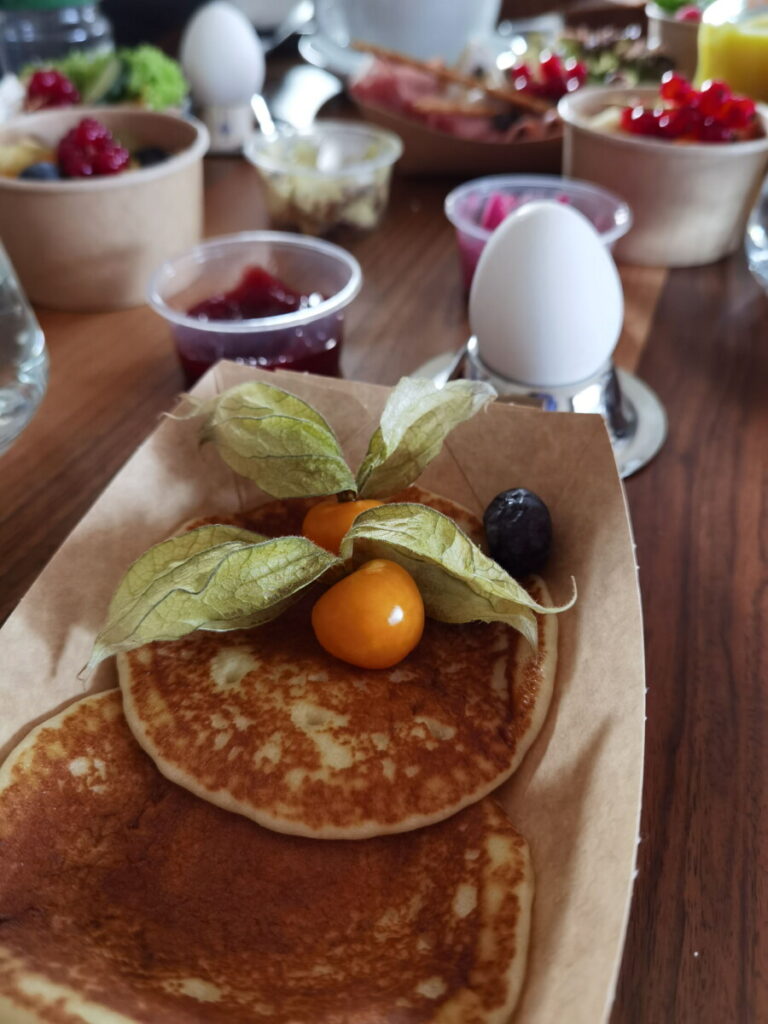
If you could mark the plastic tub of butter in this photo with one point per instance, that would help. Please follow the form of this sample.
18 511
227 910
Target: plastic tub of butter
331 176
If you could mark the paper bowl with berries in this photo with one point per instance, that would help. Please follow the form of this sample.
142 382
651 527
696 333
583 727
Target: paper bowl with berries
689 163
92 199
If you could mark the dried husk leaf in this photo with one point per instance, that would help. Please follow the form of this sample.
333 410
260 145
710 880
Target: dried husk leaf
417 418
276 440
232 584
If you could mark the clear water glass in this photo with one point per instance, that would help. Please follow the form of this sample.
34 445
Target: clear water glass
756 242
23 358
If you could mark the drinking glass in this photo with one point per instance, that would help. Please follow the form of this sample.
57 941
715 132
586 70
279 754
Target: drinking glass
23 358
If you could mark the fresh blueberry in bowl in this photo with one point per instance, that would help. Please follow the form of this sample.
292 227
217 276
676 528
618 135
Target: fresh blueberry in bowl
44 170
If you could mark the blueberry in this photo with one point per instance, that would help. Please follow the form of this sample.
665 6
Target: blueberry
148 156
42 171
518 529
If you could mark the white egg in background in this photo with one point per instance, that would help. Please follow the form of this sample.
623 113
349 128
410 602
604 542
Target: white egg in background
546 303
222 56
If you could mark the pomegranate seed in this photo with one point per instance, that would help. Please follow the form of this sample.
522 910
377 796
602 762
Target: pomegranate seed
675 88
49 88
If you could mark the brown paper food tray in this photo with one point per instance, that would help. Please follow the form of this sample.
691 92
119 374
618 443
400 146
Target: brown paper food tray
426 151
576 797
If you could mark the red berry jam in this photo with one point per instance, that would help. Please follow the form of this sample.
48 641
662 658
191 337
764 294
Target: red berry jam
711 114
257 295
89 150
311 347
49 88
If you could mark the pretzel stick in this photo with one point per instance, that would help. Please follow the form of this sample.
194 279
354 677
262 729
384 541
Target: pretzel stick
514 97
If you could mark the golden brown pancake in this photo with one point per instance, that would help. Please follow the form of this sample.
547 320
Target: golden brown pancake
265 723
125 898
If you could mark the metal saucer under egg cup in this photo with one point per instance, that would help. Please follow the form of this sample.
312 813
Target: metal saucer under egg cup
633 414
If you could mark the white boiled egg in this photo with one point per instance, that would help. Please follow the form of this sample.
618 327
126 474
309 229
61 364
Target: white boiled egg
546 303
222 56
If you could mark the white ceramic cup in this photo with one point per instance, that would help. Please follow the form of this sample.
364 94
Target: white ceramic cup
420 28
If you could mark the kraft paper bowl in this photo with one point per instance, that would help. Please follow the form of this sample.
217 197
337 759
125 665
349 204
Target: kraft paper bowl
690 201
676 39
90 244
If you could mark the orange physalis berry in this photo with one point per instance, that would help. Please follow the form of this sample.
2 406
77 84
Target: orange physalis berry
372 618
325 524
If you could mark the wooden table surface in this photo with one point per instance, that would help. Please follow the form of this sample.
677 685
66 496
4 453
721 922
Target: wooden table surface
695 950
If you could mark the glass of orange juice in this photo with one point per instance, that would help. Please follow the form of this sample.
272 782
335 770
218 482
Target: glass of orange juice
733 46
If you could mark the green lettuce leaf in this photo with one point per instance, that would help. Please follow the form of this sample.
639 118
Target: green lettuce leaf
182 585
457 581
416 420
276 440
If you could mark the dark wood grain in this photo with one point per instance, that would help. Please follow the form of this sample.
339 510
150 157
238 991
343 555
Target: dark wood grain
697 950
701 522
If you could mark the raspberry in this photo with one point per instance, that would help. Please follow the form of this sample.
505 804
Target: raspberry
49 88
89 149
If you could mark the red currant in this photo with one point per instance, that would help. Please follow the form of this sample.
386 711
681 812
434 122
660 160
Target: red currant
575 70
738 112
711 130
521 76
688 12
712 98
49 88
639 121
675 88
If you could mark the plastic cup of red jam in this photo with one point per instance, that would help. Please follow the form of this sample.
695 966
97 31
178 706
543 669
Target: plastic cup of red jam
326 276
467 206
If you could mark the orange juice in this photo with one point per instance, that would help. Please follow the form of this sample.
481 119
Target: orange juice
736 52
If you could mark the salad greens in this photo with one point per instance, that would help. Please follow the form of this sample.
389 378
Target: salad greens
141 74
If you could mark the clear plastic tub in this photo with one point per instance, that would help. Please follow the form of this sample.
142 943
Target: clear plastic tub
465 206
309 339
333 175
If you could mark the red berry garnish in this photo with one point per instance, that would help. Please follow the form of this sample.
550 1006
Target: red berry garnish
551 68
675 88
711 130
677 123
521 76
688 12
89 149
574 69
738 112
639 121
553 76
712 98
49 88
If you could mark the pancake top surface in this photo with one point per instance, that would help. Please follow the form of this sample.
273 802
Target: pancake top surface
120 890
266 723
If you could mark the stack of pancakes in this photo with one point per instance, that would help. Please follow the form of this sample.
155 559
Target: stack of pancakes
365 875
